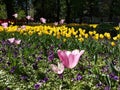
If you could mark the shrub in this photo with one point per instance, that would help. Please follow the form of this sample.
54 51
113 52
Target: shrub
106 27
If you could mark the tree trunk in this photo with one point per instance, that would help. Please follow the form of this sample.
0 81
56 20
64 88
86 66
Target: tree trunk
58 10
110 10
9 8
68 10
43 8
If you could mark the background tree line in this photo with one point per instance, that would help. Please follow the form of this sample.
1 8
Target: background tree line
54 10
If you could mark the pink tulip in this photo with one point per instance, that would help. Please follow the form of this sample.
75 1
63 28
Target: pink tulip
13 40
32 19
17 42
70 58
23 27
43 20
5 24
15 15
62 21
58 69
55 23
28 17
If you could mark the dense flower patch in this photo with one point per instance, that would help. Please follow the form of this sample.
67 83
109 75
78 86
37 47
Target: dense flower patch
58 57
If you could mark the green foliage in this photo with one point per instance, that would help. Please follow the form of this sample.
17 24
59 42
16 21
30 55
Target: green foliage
21 14
106 27
25 56
3 14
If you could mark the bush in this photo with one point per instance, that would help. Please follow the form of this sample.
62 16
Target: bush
106 27
3 13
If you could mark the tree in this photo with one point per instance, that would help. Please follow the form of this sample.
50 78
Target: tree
10 8
68 11
3 14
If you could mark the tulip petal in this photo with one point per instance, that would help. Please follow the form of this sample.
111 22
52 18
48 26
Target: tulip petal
81 52
17 41
70 59
11 40
76 51
58 69
63 57
72 62
76 57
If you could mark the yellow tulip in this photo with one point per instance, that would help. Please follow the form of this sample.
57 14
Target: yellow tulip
101 36
64 40
115 38
113 44
86 35
81 39
90 33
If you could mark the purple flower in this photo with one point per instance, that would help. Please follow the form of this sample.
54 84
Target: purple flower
51 53
45 79
79 77
13 69
105 69
23 77
39 58
3 42
51 57
37 86
113 76
107 88
99 84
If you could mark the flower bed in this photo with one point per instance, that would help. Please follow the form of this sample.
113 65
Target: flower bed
29 56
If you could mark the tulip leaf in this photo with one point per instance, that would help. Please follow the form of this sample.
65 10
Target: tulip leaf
107 79
95 58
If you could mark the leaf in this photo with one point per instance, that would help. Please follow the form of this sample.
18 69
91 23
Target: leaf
107 79
95 57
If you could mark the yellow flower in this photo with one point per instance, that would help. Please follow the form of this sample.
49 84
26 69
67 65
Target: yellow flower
86 35
30 32
117 28
39 33
68 35
96 37
115 38
64 40
12 23
118 36
107 35
76 36
58 36
81 39
90 33
94 32
101 36
93 25
113 44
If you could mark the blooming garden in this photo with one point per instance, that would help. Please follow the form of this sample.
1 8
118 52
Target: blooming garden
59 57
